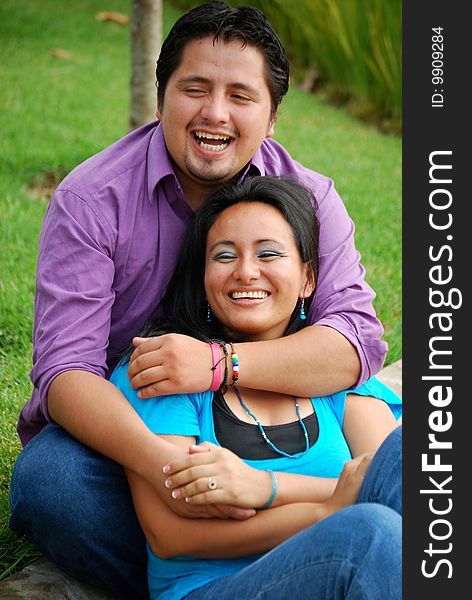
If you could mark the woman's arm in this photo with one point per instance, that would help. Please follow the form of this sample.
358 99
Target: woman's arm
171 535
238 483
367 422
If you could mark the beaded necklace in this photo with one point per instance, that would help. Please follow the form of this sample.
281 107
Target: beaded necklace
264 434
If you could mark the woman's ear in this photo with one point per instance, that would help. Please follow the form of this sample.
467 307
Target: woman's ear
310 282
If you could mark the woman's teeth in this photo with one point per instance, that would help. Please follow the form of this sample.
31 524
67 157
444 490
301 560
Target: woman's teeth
238 295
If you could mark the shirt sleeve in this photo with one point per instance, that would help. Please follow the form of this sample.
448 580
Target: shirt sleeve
74 295
372 387
343 300
166 415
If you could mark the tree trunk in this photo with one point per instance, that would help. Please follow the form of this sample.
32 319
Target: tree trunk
146 40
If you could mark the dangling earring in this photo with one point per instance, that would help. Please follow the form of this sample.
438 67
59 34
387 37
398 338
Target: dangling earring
208 313
302 310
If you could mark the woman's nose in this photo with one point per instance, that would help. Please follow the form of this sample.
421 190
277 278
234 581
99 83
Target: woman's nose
247 269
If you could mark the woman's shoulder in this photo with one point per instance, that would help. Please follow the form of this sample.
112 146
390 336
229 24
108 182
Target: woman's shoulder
372 387
120 379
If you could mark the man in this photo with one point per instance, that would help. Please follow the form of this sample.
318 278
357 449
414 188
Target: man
108 245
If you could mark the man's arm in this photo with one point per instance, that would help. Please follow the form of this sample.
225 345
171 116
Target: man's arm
74 298
96 413
312 362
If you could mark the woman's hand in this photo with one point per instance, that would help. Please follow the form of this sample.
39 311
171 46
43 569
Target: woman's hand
235 482
349 483
170 364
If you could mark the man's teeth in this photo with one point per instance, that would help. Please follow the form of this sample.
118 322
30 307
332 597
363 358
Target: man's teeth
238 295
203 135
212 136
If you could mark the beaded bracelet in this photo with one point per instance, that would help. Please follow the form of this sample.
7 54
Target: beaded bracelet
216 368
274 490
235 363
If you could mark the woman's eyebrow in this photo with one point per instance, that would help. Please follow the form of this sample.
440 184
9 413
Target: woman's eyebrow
257 242
221 243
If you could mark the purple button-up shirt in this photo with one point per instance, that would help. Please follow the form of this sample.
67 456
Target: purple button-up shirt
108 246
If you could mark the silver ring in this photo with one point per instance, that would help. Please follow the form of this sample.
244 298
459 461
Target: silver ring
212 485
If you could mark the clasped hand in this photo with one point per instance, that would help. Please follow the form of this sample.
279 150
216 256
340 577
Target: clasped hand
236 483
170 364
349 483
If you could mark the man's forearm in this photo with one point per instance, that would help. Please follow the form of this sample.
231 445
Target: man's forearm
96 413
312 362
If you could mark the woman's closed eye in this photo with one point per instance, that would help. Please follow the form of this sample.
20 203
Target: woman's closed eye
266 255
270 254
225 256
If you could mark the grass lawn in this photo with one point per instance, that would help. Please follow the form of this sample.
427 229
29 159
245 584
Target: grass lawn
55 112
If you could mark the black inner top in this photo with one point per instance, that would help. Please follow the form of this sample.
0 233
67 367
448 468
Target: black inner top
245 439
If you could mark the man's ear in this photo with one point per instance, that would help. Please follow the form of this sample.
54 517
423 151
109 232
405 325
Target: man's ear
271 128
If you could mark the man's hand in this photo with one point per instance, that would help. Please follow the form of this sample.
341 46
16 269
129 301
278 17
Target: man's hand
170 364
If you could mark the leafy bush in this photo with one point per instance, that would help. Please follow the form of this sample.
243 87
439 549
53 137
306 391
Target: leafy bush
354 47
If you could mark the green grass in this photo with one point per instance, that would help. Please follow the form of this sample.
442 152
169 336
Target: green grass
366 169
55 113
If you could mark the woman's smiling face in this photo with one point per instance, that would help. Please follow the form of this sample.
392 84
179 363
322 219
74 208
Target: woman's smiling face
254 274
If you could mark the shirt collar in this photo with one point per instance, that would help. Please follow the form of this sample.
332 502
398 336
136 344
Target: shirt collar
159 165
257 162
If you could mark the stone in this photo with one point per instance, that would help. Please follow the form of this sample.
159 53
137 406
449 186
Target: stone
392 376
42 580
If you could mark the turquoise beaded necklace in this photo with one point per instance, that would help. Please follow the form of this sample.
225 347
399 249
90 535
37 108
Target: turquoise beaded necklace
264 434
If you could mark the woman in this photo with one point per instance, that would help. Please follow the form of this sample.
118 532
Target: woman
248 272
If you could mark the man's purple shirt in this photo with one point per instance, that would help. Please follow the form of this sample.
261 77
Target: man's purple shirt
108 246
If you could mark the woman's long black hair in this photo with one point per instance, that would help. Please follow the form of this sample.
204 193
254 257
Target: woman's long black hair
184 303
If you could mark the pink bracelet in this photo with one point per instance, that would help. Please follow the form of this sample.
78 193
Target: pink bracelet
216 368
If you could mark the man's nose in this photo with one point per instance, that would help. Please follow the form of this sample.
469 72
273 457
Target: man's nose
216 109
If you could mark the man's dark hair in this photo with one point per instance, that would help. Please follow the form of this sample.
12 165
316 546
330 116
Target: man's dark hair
223 22
184 303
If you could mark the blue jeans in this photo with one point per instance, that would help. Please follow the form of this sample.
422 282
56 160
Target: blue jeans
354 554
75 505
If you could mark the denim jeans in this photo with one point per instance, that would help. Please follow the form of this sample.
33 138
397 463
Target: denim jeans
75 505
355 554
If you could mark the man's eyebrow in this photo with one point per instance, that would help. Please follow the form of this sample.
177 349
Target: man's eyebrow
235 85
192 79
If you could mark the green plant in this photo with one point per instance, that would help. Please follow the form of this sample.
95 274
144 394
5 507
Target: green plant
354 47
